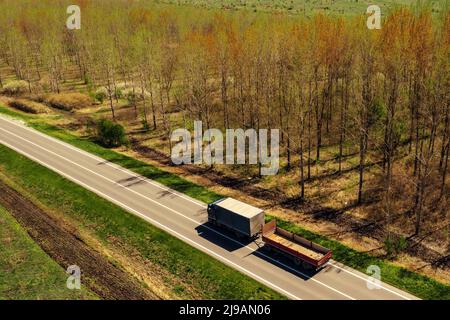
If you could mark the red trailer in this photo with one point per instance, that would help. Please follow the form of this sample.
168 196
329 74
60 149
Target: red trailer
301 251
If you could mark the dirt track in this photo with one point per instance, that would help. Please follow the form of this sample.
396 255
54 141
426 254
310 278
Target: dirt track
97 273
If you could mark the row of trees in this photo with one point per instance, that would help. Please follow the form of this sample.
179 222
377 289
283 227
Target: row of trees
383 93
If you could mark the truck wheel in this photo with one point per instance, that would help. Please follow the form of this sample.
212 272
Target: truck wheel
298 262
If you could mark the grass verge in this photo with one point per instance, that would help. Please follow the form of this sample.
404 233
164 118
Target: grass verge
419 285
111 223
26 271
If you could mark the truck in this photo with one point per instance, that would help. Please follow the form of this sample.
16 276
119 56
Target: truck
243 219
303 252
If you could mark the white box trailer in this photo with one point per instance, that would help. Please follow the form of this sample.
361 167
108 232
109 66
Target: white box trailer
239 217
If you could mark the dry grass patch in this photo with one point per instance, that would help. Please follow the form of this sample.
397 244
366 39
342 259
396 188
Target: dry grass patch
28 106
69 101
15 87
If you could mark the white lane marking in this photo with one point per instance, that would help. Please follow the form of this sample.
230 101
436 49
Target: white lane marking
180 214
162 226
158 185
365 279
108 163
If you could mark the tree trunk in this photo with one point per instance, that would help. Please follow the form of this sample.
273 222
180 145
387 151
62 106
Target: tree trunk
152 103
445 136
362 157
444 171
144 105
342 125
112 106
224 92
302 178
309 129
319 120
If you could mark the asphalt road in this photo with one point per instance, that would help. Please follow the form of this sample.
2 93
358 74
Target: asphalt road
185 218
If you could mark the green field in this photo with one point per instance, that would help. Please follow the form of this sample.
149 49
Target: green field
26 271
307 7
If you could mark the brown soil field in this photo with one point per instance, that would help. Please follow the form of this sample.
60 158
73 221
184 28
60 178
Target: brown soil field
66 247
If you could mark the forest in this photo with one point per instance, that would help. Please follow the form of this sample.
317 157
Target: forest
363 114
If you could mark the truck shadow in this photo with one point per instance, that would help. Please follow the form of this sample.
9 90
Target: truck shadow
221 237
284 263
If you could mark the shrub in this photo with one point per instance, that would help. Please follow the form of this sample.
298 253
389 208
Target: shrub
100 94
377 111
68 101
110 134
88 83
28 106
145 125
15 87
394 245
118 94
